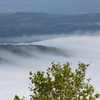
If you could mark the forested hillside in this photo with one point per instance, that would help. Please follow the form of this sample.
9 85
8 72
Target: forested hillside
19 24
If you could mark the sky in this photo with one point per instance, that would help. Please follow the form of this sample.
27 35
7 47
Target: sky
51 6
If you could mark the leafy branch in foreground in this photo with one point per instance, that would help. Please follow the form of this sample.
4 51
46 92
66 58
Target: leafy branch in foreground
61 83
18 98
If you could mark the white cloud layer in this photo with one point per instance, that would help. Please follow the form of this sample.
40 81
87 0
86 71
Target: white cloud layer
14 75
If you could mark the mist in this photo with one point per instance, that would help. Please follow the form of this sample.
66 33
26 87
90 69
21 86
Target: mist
35 38
28 39
15 67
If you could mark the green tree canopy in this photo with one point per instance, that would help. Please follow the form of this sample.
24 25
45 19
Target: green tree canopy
59 82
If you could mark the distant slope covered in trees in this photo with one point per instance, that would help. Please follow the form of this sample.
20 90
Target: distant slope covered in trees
19 24
29 51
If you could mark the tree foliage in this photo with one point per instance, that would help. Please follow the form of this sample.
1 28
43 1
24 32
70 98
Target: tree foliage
61 83
18 98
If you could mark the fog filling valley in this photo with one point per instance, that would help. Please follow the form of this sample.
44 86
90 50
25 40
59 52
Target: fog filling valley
17 60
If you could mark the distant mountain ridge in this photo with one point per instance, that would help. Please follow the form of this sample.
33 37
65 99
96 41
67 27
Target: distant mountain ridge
29 51
30 24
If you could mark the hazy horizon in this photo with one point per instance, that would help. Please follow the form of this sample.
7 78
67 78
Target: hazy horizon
50 6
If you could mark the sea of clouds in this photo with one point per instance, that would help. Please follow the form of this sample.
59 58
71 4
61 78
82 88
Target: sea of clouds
14 75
